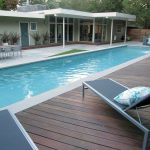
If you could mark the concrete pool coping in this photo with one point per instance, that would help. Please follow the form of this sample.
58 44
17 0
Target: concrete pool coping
61 56
27 103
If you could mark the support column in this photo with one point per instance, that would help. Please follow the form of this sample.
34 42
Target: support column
93 37
55 29
106 36
63 32
49 28
73 29
78 30
67 29
125 36
112 26
102 26
28 3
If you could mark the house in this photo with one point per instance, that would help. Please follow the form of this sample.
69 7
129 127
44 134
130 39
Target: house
64 25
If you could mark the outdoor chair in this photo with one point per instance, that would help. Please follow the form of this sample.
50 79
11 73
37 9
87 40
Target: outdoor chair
2 52
107 89
16 50
12 134
10 50
146 41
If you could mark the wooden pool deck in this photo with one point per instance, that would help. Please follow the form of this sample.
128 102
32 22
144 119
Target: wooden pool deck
68 123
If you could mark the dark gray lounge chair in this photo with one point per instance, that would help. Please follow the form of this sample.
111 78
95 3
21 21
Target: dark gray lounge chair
12 134
107 89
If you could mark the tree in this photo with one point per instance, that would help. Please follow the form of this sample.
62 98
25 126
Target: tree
2 4
11 5
37 1
52 4
106 5
75 4
21 2
140 8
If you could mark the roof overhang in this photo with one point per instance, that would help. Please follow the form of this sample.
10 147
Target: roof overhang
20 14
85 15
59 12
67 13
115 16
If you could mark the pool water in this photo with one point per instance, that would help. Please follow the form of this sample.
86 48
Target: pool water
25 81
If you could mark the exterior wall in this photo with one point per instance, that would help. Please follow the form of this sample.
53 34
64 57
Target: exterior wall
13 25
42 27
8 24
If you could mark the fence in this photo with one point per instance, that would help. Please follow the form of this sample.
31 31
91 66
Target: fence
138 34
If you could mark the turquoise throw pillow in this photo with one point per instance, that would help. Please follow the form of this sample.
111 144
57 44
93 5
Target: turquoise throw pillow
132 95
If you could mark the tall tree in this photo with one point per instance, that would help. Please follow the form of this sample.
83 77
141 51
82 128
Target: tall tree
11 5
2 4
37 1
52 4
106 5
75 4
21 2
140 8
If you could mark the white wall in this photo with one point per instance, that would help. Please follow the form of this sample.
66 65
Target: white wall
8 25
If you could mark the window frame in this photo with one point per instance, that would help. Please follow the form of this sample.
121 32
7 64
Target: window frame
31 26
119 28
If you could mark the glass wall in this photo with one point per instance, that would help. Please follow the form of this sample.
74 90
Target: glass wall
52 33
56 25
86 30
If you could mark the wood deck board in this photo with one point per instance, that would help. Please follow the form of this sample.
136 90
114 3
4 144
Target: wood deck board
68 123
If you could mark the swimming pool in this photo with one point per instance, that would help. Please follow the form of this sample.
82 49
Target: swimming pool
23 82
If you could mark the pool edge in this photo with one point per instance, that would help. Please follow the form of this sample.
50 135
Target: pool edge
27 103
62 56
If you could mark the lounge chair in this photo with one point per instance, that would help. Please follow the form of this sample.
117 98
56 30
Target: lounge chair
107 89
12 134
146 41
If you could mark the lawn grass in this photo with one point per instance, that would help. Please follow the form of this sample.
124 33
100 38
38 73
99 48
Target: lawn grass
69 52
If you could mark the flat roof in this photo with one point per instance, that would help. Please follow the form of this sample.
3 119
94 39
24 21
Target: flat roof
81 14
68 13
4 13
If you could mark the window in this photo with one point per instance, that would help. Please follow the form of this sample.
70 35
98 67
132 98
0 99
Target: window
119 28
33 26
52 19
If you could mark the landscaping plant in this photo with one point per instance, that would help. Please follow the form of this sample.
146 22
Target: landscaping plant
14 37
37 37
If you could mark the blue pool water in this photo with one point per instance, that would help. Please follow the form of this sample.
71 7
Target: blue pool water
18 83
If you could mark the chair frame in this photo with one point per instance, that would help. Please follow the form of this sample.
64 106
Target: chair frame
121 111
22 130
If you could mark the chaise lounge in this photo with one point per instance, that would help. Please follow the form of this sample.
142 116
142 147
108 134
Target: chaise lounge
107 89
12 134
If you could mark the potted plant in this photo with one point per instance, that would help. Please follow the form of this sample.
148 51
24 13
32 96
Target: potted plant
14 38
5 38
45 37
37 37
